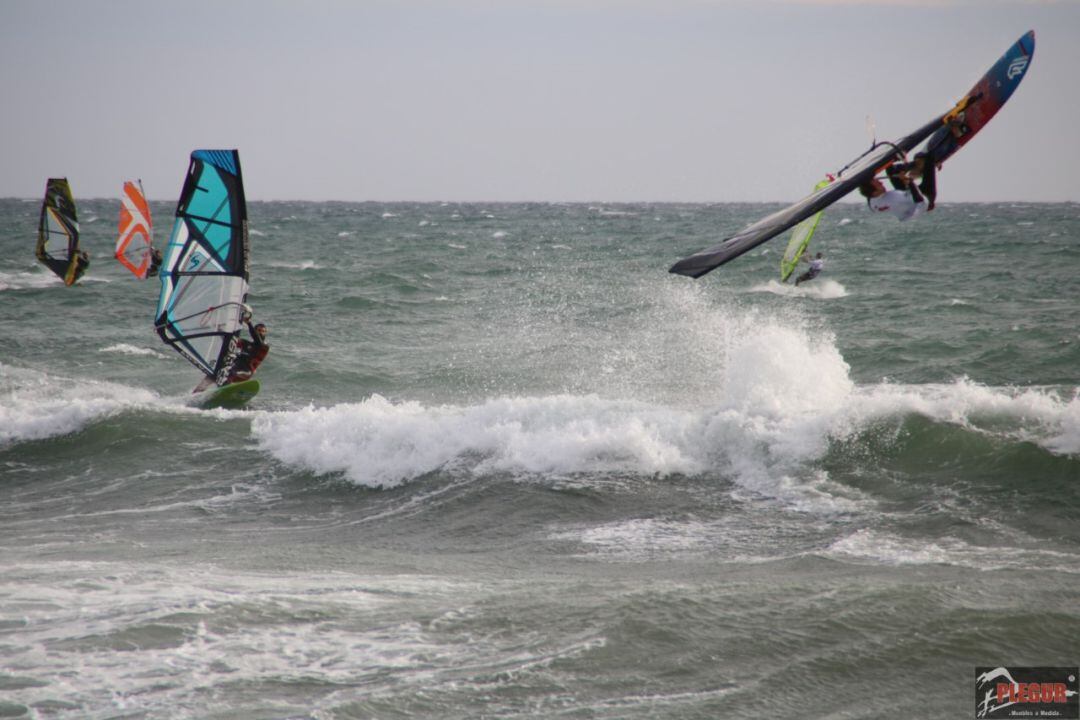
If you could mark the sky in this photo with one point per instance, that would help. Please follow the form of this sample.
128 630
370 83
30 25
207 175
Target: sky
525 100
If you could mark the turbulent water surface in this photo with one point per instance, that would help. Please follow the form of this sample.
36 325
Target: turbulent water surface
504 465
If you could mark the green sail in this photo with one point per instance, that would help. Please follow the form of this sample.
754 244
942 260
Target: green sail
800 239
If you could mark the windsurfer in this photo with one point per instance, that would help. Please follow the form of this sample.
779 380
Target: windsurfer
79 263
900 203
816 266
251 353
902 180
926 163
155 262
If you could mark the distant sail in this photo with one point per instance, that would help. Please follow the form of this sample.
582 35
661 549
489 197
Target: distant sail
204 271
136 231
58 232
800 239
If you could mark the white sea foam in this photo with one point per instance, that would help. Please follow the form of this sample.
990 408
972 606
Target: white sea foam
125 349
643 537
213 628
781 401
1035 415
782 396
302 265
27 280
1065 421
383 444
820 289
882 547
32 406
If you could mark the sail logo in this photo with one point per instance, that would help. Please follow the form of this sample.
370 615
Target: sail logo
1017 67
1027 692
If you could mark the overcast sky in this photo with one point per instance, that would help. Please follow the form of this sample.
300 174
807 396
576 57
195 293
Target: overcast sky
507 100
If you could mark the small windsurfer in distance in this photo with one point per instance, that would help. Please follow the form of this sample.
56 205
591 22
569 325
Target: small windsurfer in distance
816 266
80 262
155 262
900 203
252 352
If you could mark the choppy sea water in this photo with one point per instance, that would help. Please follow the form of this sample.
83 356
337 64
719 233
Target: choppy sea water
505 465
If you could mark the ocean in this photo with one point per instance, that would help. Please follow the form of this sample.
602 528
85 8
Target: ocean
505 465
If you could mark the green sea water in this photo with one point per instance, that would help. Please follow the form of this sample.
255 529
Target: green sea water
504 465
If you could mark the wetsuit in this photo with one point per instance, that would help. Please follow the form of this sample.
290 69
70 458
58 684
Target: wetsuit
816 266
941 145
252 353
155 263
897 202
76 269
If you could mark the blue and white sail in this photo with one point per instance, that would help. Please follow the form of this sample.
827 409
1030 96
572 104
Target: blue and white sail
204 271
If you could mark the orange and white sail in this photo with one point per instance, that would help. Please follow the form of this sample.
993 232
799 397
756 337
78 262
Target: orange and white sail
136 231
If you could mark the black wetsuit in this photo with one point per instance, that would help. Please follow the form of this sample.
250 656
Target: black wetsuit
252 353
81 263
155 263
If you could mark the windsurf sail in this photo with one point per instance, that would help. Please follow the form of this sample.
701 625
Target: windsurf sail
204 273
800 239
854 174
136 238
984 99
58 232
974 109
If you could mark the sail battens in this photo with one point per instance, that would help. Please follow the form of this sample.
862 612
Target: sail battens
58 232
204 270
800 239
135 240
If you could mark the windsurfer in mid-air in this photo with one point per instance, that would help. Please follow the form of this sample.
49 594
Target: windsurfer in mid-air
816 266
926 163
901 203
251 352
